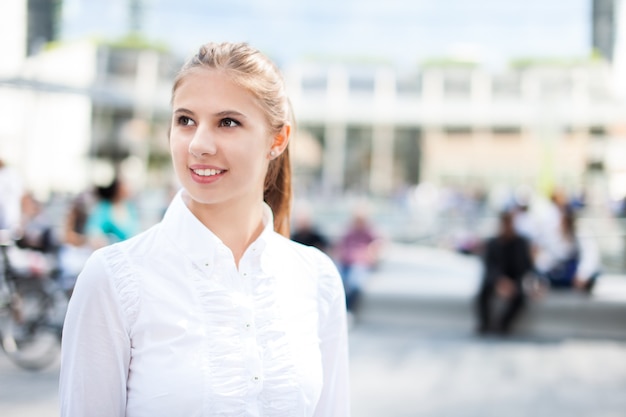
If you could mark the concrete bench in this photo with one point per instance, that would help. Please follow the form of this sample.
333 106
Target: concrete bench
573 314
425 288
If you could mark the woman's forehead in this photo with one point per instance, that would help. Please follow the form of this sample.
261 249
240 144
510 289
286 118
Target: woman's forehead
210 87
209 78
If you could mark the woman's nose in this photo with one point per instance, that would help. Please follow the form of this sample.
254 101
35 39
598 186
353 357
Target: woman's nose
203 143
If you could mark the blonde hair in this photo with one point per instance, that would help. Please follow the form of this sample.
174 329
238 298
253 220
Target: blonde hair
255 72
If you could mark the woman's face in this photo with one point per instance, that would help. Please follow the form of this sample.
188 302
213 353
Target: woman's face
220 140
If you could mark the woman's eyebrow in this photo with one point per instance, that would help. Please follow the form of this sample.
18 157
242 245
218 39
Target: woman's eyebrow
183 110
223 113
227 113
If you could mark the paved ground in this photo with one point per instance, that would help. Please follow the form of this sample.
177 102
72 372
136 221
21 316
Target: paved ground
25 393
425 286
400 374
413 353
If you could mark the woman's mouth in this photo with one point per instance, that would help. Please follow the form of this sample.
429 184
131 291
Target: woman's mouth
207 172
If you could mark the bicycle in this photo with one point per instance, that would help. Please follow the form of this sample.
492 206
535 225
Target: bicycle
32 309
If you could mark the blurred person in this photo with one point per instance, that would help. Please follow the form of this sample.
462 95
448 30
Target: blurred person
307 233
507 260
621 207
550 216
357 252
75 246
114 216
36 239
213 311
11 192
524 220
36 230
541 222
569 259
75 225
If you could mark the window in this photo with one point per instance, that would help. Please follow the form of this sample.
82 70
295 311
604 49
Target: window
457 131
409 85
506 86
361 84
457 85
506 130
314 83
122 62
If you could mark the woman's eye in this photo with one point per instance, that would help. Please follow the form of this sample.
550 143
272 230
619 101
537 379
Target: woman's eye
185 121
228 122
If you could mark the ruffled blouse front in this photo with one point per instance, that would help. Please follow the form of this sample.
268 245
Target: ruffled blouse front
165 324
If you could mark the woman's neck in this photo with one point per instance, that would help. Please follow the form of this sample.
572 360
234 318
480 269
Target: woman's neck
237 225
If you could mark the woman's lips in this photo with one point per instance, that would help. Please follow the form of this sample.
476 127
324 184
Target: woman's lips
205 175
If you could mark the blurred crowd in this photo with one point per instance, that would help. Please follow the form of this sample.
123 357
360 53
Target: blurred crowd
537 247
533 252
47 245
59 244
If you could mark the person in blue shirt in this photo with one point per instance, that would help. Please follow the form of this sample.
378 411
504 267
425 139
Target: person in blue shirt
114 217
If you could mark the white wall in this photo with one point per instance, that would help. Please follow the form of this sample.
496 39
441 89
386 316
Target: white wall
12 36
45 136
71 65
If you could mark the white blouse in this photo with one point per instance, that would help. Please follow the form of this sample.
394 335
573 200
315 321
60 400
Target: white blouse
164 324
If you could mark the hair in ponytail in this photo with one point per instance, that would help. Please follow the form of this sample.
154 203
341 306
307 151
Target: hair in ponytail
255 72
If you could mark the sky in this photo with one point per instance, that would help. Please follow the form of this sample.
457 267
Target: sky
403 32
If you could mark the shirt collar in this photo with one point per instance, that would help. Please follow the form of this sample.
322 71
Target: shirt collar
197 241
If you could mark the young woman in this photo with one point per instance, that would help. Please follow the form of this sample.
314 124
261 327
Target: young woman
214 311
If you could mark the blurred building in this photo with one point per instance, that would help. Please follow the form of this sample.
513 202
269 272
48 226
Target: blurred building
42 23
366 129
26 26
379 131
76 112
603 27
608 26
73 113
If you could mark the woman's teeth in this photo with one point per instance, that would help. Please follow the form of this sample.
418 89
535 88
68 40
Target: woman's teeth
207 172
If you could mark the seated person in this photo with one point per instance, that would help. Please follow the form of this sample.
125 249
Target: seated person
569 260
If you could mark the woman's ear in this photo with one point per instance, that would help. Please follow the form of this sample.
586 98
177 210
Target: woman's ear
281 140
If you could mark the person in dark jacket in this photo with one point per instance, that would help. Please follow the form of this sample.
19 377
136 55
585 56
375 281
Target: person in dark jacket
507 259
307 233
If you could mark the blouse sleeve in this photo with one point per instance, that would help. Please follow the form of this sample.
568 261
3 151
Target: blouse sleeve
96 344
335 396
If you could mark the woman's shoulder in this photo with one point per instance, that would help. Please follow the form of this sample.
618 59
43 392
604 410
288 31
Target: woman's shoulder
318 267
144 242
309 254
108 275
302 258
116 261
